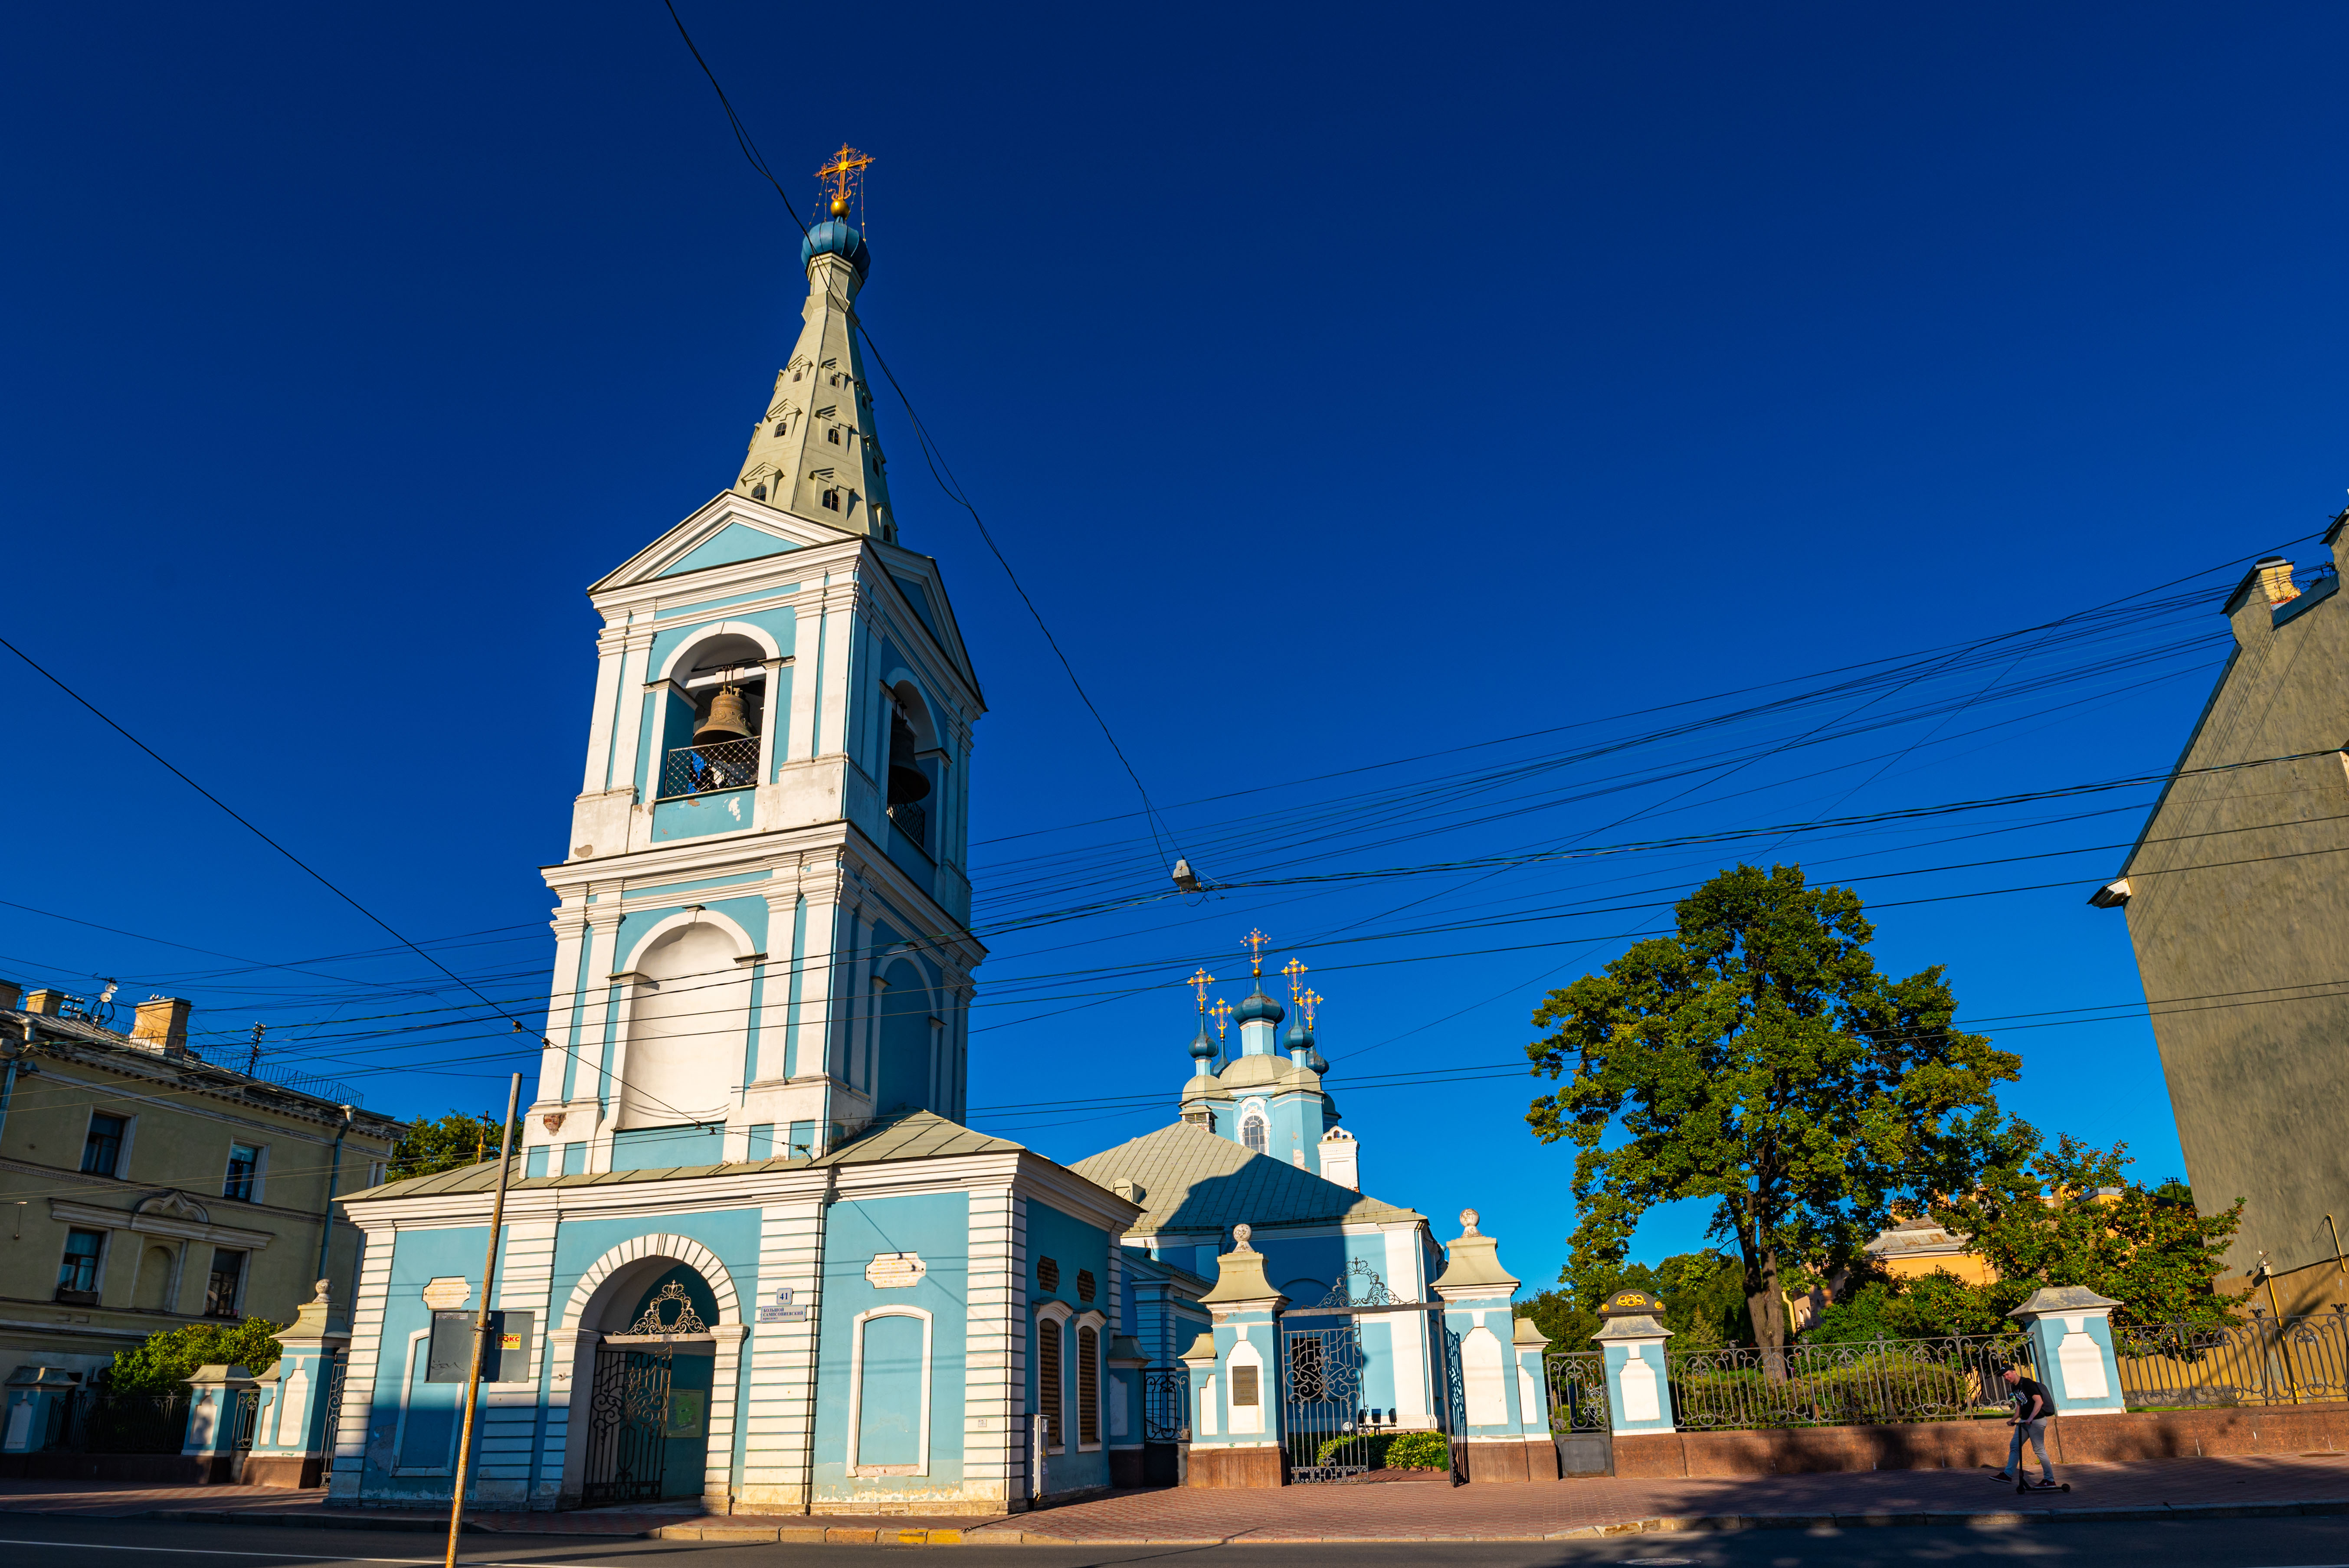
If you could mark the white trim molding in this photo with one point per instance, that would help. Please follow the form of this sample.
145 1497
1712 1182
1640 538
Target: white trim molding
921 1465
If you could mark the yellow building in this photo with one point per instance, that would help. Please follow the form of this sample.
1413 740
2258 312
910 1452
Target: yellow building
145 1187
1915 1248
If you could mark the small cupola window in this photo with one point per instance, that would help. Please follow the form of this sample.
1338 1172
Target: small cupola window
1253 1131
832 501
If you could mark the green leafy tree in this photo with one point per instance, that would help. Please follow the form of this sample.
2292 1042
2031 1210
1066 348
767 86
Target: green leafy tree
162 1362
445 1143
1756 1058
1702 1292
2069 1215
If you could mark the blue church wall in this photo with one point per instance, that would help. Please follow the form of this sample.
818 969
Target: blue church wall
419 1435
936 1226
706 608
1076 1248
665 1148
721 811
901 1077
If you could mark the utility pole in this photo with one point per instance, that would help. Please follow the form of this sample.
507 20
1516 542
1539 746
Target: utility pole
481 1324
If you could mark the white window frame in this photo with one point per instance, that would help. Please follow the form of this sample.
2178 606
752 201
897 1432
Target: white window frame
1059 1312
1100 1326
105 1257
1263 1113
122 1155
921 1465
400 1432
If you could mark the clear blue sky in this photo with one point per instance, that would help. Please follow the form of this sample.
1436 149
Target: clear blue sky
1345 389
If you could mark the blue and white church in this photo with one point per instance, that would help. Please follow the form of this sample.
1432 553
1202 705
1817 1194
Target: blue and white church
750 1256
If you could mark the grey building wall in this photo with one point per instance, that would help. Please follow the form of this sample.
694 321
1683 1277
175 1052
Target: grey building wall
2238 906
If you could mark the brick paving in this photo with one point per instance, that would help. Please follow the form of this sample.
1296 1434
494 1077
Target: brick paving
1402 1511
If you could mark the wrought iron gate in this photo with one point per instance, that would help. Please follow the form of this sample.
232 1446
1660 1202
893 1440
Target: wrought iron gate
1165 1423
1327 1432
1454 1392
1578 1411
627 1425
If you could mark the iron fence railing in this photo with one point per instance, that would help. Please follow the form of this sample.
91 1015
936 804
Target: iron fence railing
1867 1383
2260 1361
719 765
91 1421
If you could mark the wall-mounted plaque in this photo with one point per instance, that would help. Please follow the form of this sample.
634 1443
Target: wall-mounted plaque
447 1293
894 1271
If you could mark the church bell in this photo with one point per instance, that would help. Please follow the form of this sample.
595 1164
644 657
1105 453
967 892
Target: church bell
908 783
729 719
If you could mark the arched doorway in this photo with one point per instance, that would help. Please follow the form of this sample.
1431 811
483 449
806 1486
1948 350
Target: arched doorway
656 1371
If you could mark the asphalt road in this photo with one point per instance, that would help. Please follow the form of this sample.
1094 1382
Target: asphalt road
29 1541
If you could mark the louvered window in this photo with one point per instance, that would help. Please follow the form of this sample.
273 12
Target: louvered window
1088 1386
1048 1274
1084 1284
1047 1381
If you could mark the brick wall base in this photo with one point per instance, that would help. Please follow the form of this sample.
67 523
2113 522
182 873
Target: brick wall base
1236 1468
1535 1459
1965 1445
295 1470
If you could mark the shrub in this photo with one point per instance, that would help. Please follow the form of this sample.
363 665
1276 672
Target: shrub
1419 1451
161 1363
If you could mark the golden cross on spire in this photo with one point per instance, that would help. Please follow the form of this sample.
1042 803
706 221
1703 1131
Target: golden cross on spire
842 169
1200 982
1311 1003
1293 969
1223 1015
1254 941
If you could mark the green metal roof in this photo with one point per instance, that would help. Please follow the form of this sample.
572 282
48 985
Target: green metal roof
1191 1180
918 1135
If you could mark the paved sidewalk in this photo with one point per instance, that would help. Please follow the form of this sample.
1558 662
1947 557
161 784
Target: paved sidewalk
1399 1510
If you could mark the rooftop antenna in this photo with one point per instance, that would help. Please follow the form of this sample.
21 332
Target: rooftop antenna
252 1052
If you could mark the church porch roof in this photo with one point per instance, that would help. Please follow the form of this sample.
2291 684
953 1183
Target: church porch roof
1191 1180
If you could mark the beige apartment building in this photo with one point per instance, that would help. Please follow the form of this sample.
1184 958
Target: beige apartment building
144 1186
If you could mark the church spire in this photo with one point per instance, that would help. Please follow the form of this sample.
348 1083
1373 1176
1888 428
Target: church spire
813 452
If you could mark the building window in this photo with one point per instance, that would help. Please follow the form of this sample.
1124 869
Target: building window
783 428
1048 1274
79 1272
1047 1381
1252 1131
1088 1386
101 1152
758 492
244 1165
221 1289
833 435
832 501
1084 1284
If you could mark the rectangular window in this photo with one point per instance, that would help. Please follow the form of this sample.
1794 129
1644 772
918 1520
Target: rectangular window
244 1165
1088 1386
1047 1382
79 1272
221 1290
102 1150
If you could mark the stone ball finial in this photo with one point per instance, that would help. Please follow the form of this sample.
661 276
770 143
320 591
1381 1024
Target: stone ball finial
1468 1222
321 1296
1240 1234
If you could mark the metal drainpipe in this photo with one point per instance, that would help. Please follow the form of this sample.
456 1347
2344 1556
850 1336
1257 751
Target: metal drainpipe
333 1175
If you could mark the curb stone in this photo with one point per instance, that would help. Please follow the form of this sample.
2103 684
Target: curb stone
739 1530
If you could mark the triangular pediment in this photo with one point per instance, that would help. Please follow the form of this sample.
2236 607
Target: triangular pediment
918 580
729 529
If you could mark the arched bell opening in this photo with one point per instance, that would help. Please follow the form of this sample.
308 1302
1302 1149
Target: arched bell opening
914 764
654 1377
715 716
909 1029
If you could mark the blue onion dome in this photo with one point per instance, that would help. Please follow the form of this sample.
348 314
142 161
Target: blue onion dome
1259 1005
834 238
1298 1041
1203 1047
1321 1064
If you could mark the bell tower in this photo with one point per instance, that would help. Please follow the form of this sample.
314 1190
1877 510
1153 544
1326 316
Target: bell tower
761 921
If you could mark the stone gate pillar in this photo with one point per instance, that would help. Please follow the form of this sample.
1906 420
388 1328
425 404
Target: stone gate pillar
1506 1437
1639 1394
2071 1335
290 1443
1236 1434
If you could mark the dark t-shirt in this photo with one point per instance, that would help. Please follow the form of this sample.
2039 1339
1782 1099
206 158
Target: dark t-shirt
2025 1388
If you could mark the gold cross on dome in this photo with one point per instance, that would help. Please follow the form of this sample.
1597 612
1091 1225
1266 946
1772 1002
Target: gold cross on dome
842 169
1221 1011
1293 969
1200 982
1255 940
1311 1003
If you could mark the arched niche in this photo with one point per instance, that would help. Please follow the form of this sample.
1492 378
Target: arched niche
905 1069
688 1018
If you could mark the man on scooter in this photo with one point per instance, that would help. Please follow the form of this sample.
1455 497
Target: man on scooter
2033 1406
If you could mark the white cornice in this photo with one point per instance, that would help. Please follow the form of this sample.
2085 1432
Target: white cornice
160 1225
